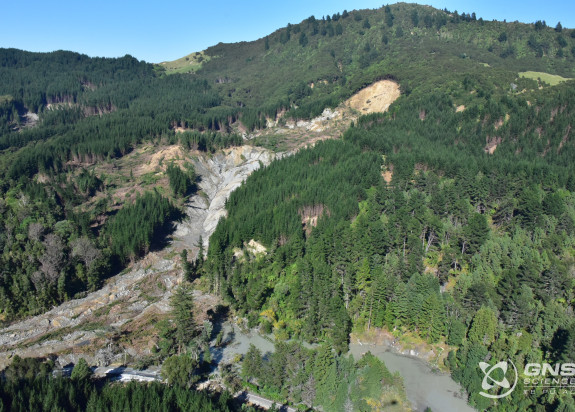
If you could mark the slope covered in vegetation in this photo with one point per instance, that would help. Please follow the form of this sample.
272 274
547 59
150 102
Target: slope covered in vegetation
470 242
462 246
451 217
322 60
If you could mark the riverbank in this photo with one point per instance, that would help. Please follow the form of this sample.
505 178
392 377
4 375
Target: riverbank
425 386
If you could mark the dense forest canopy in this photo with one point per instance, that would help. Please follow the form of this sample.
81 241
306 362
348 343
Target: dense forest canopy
87 111
459 246
451 217
29 385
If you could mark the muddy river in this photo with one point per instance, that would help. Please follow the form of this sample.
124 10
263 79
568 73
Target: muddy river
424 387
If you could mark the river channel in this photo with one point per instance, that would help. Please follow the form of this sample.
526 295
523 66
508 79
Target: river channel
424 387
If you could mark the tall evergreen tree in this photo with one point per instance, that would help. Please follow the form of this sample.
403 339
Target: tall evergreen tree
182 302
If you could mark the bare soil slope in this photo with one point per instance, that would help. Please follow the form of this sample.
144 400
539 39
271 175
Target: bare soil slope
291 135
375 98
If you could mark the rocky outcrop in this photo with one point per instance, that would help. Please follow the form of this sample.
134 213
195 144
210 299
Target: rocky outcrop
317 124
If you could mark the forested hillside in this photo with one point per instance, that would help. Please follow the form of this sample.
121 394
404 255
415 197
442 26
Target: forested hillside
422 47
454 223
87 111
458 246
450 218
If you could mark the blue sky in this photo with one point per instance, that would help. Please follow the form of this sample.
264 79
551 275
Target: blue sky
166 30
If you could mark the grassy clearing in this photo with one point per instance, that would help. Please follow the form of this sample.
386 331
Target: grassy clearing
187 64
551 79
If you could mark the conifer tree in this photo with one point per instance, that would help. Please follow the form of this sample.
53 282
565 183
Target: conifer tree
432 319
81 371
182 303
483 327
252 365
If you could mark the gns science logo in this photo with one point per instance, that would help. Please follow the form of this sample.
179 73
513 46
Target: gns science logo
560 376
499 381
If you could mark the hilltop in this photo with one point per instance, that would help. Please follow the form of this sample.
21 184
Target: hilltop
417 45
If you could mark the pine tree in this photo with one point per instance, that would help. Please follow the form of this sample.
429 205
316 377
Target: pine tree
529 207
182 311
457 332
475 233
363 282
81 371
432 318
389 17
207 355
179 181
322 366
200 246
401 305
483 327
180 370
377 298
252 365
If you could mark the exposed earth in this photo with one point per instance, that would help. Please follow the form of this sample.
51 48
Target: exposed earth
375 98
117 322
